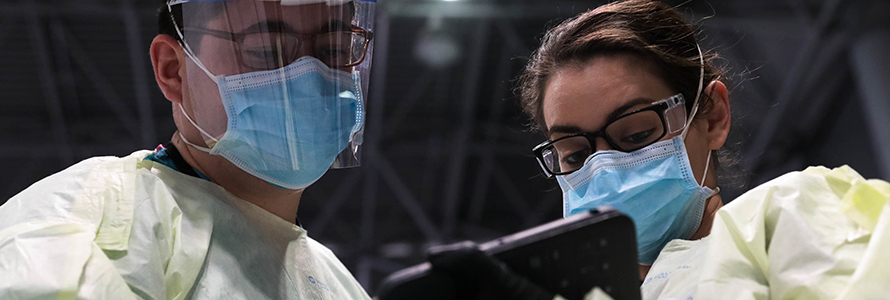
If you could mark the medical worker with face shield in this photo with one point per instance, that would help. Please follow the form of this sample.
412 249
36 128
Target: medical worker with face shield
267 96
635 114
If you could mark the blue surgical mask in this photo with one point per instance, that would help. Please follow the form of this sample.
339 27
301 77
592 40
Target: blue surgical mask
654 186
286 126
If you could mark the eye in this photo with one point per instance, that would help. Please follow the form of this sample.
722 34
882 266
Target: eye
638 137
262 53
335 46
263 58
331 52
575 159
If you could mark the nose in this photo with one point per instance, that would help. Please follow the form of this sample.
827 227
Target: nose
601 144
306 48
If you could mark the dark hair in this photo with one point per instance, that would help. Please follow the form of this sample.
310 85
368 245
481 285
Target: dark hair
166 23
198 15
651 30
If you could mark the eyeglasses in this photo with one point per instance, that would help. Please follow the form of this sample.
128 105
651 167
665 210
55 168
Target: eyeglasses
272 50
627 133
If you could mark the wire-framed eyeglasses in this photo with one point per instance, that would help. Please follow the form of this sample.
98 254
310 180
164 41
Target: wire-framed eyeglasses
628 132
274 49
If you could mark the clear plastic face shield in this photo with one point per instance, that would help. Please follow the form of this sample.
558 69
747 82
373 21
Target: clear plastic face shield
277 86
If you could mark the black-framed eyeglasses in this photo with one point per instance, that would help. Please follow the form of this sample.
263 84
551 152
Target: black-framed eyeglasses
272 50
629 132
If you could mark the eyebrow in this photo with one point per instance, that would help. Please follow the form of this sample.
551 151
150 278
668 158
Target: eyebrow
624 108
567 129
618 112
335 25
267 25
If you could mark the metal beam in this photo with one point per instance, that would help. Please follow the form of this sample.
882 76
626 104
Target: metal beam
802 12
407 200
786 98
415 92
137 52
66 70
332 206
369 205
827 76
378 98
512 195
872 71
819 86
462 140
6 29
105 88
50 87
514 41
66 8
492 134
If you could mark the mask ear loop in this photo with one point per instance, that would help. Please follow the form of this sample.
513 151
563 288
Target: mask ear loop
701 81
215 140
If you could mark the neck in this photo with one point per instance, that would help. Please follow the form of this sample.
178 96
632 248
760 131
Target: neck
644 270
280 202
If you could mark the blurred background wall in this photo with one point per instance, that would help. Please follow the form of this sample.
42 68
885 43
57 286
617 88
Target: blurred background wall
447 153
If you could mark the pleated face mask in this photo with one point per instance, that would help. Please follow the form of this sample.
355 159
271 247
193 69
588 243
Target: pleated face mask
655 186
287 126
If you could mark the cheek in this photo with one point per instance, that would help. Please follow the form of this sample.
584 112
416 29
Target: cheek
205 102
221 57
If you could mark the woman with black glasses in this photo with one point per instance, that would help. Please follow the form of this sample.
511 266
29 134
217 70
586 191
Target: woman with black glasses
634 111
636 115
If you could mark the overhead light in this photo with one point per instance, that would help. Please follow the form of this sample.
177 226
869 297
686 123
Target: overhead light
436 46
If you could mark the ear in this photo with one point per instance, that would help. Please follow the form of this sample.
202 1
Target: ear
168 61
719 117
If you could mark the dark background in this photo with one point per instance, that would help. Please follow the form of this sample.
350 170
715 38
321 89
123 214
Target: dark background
448 154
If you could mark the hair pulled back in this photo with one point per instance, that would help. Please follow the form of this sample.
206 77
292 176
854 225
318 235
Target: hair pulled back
653 31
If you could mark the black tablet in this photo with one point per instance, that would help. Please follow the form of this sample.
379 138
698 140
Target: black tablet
568 257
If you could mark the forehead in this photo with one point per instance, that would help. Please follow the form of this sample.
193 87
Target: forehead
236 16
584 95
